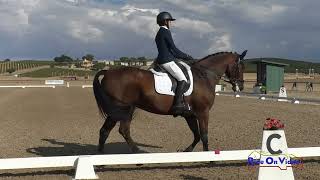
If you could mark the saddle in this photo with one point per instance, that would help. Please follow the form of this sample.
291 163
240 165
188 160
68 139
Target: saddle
158 71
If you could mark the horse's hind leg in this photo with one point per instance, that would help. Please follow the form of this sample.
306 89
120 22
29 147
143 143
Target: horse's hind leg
124 130
105 131
203 125
193 125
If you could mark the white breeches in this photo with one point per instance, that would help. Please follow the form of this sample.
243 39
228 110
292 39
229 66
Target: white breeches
174 70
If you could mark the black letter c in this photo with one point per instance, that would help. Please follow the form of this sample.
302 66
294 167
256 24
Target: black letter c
272 136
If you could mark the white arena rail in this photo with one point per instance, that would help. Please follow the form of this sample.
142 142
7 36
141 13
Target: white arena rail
87 86
271 97
84 163
29 86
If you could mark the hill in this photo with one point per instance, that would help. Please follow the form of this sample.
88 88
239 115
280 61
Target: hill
21 65
302 66
52 72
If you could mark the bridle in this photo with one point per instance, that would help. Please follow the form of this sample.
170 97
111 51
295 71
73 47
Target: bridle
235 70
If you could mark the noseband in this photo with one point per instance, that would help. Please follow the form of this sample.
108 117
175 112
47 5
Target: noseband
235 71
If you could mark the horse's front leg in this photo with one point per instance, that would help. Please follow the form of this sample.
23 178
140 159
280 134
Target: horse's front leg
193 125
203 118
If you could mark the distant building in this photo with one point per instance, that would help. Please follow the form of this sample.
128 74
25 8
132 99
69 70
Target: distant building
270 74
124 63
127 63
86 64
109 62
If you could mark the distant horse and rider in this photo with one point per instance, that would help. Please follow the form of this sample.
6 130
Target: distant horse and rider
171 88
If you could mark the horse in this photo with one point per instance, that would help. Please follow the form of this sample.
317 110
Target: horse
123 89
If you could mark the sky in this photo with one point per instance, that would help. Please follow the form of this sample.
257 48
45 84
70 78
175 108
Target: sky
109 29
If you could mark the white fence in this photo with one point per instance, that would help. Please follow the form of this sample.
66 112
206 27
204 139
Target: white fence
54 82
87 86
29 86
271 97
43 86
84 164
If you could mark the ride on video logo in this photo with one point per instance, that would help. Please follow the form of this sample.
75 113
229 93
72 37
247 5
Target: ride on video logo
274 153
265 159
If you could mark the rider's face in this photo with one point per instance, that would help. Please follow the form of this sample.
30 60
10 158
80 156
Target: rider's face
168 23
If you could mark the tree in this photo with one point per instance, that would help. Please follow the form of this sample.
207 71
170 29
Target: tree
11 70
7 60
88 57
124 59
78 65
142 58
63 58
98 66
132 59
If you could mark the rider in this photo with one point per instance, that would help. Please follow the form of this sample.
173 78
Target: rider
167 52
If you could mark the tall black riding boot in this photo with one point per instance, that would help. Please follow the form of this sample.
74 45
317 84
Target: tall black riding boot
178 107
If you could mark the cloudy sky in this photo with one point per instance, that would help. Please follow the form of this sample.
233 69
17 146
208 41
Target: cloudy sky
43 29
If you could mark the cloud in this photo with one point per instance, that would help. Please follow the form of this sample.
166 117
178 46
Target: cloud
14 20
85 32
220 43
114 28
15 15
193 5
131 9
137 20
194 26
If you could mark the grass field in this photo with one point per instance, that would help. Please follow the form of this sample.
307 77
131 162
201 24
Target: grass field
52 72
22 65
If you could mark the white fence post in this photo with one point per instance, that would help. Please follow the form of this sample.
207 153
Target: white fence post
84 168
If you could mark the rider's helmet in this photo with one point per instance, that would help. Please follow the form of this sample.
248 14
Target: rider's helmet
163 16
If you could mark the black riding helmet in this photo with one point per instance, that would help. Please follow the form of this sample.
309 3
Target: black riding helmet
163 16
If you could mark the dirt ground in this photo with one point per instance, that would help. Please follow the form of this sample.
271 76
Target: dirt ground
65 121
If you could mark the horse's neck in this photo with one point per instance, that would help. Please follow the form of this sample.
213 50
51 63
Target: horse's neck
217 65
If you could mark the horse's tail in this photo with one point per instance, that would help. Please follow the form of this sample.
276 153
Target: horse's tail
101 97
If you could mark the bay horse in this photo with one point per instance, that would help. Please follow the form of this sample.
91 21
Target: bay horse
122 90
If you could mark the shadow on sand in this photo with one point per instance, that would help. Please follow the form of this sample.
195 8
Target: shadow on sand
71 149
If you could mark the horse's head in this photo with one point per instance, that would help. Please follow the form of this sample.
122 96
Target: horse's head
234 71
230 64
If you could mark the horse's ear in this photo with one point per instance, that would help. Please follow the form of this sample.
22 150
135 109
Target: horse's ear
243 55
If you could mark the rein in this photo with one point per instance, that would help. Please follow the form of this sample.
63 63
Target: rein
213 72
207 71
217 74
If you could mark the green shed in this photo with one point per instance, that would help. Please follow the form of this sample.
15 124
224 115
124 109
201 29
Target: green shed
270 74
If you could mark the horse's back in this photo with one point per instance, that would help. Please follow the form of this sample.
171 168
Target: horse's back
127 83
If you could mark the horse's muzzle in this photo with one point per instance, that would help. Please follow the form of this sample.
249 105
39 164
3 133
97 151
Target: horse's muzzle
236 87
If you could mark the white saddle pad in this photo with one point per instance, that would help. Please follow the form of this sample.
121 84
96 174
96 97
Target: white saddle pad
163 84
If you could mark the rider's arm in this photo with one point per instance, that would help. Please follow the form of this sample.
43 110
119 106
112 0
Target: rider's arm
175 51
